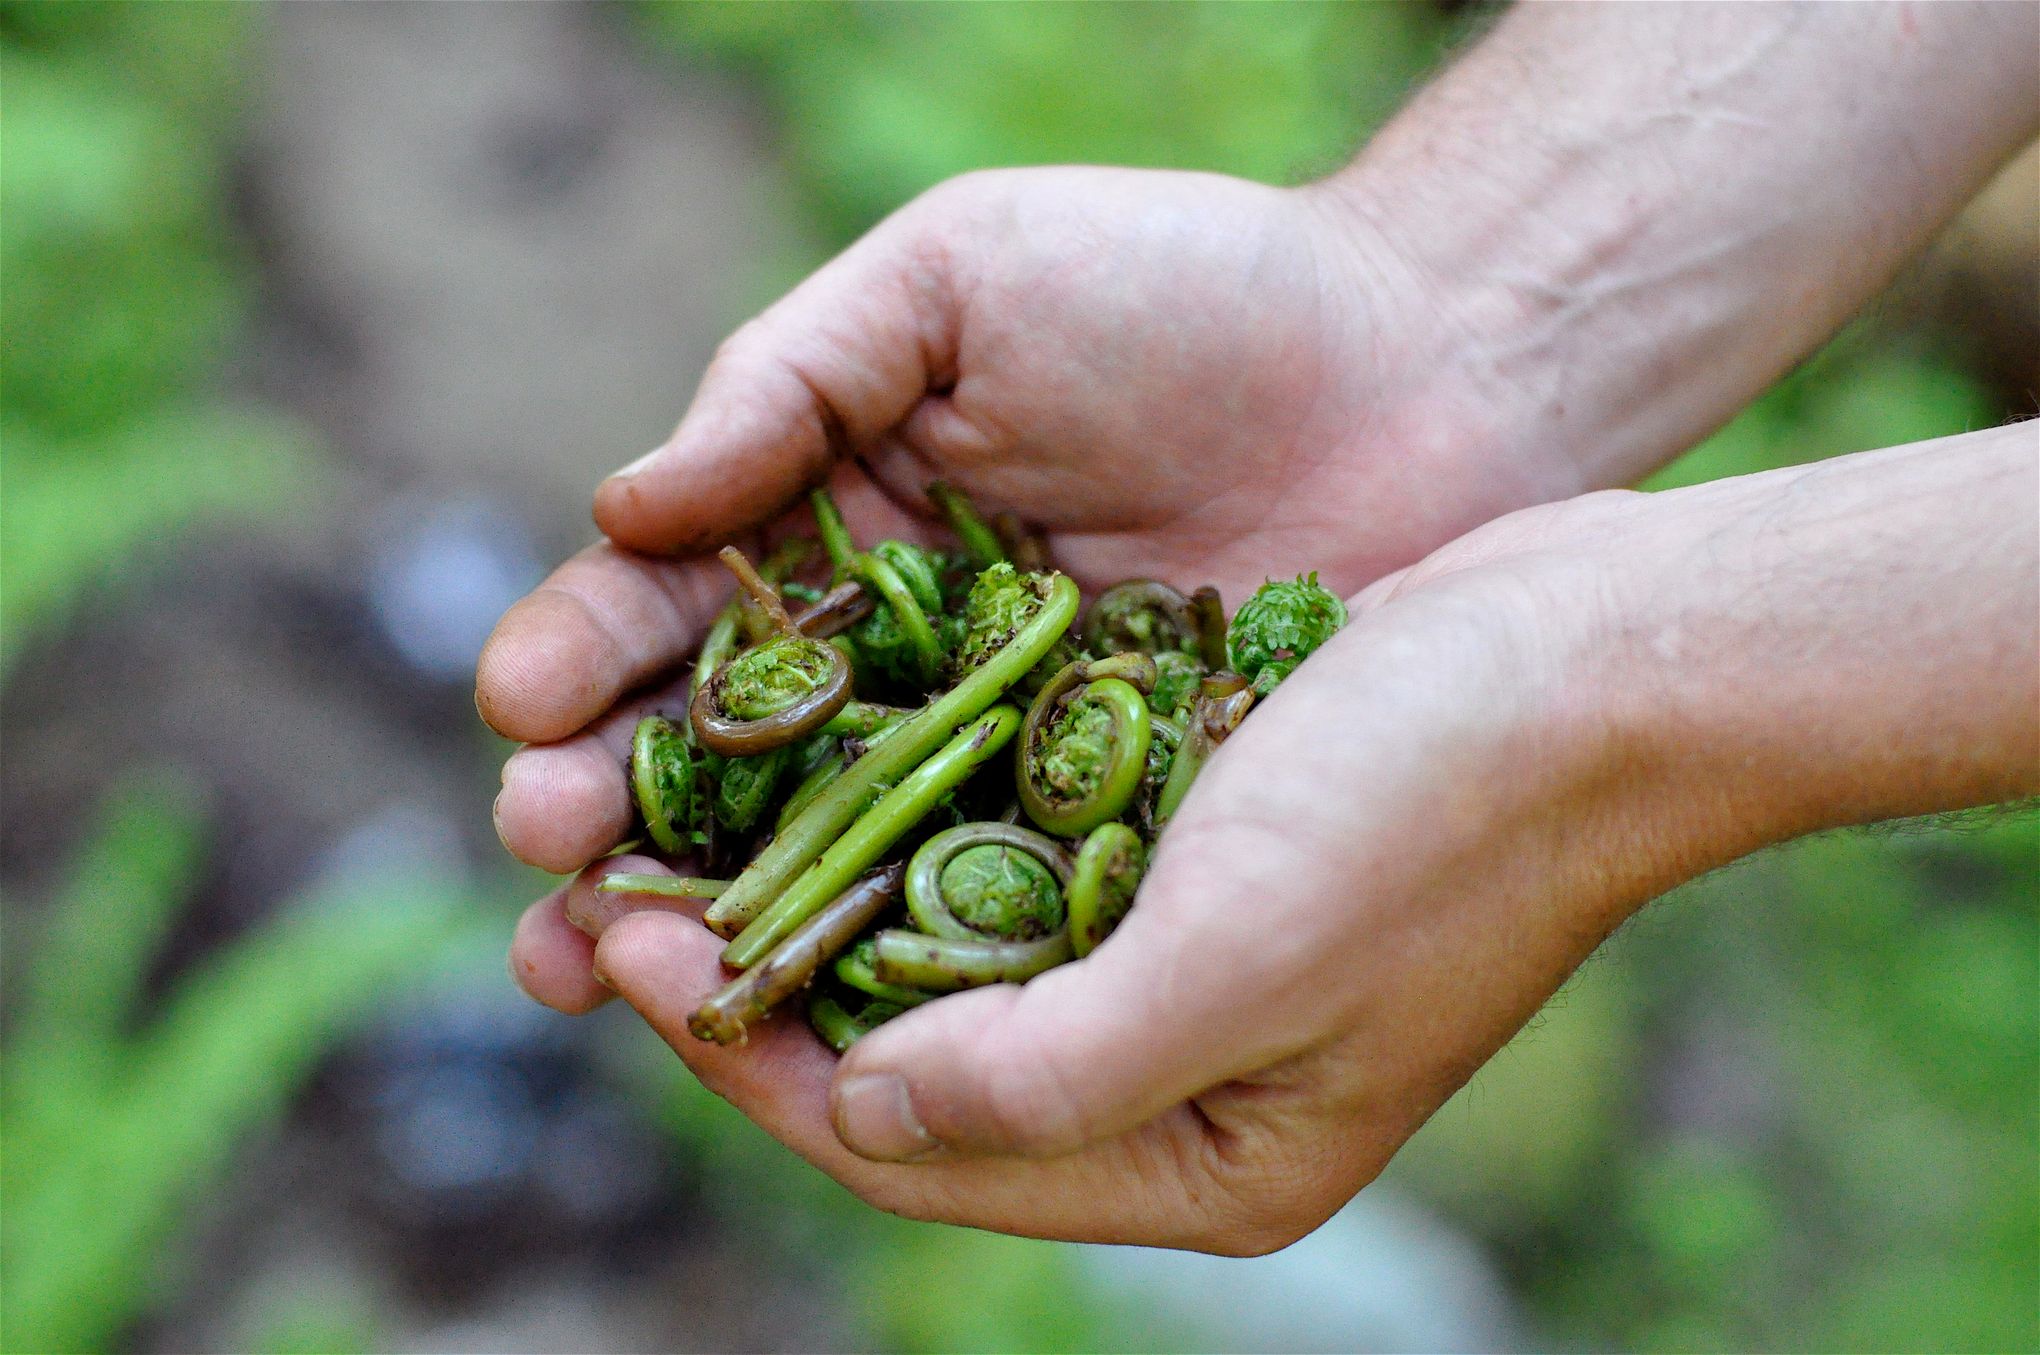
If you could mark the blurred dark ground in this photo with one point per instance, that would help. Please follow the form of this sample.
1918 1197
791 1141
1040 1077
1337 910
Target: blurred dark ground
322 321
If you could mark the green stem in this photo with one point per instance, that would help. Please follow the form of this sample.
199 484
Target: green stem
829 525
853 967
720 644
872 835
862 719
665 886
1213 718
910 742
880 577
940 964
726 1015
976 536
839 1028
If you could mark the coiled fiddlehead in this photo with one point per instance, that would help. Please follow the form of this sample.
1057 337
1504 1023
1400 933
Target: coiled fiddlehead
668 782
1141 616
774 693
1176 677
1102 884
988 880
1280 626
988 900
1084 748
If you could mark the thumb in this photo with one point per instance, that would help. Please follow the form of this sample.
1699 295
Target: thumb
1077 1055
826 371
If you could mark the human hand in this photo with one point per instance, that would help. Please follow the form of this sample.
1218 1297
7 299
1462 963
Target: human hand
1177 375
1415 840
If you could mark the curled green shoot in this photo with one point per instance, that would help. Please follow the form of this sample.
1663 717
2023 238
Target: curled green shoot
1102 884
1141 616
666 784
774 693
994 881
1281 625
1084 748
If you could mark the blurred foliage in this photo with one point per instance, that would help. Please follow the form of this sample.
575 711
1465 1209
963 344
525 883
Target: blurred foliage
123 292
875 103
1885 984
113 1125
1791 1106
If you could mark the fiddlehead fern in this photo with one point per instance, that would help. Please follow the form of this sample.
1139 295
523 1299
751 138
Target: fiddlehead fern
988 880
1084 748
899 642
1140 616
669 784
774 693
1280 626
1176 677
987 899
1102 883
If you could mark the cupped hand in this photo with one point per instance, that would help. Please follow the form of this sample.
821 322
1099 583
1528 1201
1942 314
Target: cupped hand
1183 376
1396 860
1409 846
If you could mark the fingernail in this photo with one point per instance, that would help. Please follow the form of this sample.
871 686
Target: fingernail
634 467
875 1119
595 971
517 975
496 818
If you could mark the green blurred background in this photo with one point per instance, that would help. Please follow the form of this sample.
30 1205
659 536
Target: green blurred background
320 323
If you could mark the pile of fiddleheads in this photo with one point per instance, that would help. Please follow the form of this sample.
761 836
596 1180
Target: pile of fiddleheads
935 770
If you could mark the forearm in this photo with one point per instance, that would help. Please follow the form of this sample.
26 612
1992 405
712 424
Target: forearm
1633 218
1836 644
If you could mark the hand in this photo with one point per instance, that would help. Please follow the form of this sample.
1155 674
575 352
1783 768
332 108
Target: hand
1178 375
1409 847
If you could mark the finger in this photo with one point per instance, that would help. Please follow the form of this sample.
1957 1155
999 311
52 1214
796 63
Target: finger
564 805
550 958
1157 1187
824 372
603 623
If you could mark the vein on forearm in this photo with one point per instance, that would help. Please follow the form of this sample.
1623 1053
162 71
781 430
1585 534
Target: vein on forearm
1641 215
